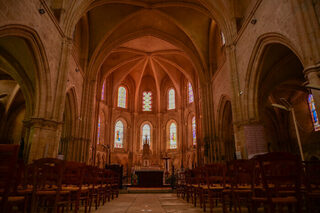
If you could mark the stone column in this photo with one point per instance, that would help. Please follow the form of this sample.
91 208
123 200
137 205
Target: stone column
312 74
42 138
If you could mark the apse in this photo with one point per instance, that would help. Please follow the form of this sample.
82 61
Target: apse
146 95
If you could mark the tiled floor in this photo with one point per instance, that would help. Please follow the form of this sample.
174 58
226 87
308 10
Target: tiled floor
155 203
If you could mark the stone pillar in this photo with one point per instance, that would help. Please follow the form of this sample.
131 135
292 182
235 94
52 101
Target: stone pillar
253 140
42 138
312 74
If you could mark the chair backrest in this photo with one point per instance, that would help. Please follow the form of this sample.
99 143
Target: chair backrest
280 171
215 174
73 173
243 172
312 175
8 167
197 175
48 173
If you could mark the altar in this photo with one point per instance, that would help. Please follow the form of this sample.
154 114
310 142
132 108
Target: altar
149 178
148 174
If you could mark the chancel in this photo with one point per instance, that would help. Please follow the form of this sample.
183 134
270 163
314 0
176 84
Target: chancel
159 105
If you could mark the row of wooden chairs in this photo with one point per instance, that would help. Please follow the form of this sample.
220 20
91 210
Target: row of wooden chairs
52 185
273 181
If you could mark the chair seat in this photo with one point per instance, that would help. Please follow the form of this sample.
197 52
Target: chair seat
14 199
217 187
51 192
284 200
75 188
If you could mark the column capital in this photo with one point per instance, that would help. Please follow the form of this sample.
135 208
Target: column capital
42 123
312 68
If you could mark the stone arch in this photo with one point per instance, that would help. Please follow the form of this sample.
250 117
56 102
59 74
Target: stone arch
216 10
253 71
38 96
225 129
190 116
70 120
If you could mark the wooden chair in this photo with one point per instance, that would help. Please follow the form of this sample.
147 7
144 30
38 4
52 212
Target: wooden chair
92 181
216 188
47 185
242 183
114 184
312 180
8 182
181 184
280 177
73 181
197 181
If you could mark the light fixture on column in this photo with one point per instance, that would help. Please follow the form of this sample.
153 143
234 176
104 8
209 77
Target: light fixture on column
288 107
3 95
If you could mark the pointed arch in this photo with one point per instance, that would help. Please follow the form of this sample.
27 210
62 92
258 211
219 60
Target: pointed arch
254 70
41 103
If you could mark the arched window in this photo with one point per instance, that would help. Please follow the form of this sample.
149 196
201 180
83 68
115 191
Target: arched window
223 39
146 101
122 97
313 111
171 99
146 134
118 135
103 89
194 136
190 93
173 136
99 129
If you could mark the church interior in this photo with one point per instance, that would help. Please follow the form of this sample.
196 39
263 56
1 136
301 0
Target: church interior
159 105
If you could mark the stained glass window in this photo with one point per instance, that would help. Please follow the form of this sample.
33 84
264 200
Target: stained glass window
102 91
194 136
315 118
173 136
172 100
146 134
190 93
118 135
146 101
122 97
99 128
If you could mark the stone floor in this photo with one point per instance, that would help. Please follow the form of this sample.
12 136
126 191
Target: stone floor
155 203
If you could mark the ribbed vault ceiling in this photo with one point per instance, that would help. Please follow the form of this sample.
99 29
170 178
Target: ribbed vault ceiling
148 56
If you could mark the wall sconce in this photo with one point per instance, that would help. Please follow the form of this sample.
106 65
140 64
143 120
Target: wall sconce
253 21
42 11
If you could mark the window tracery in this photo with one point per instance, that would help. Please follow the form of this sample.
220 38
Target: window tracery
171 99
122 97
147 101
